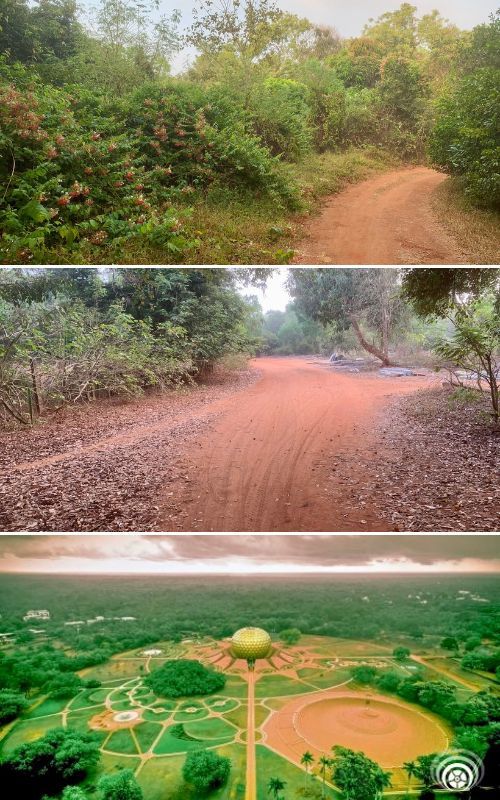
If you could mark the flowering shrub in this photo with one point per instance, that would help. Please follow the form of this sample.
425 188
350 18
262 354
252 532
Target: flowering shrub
81 170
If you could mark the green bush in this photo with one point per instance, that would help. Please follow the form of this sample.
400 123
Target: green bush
282 117
466 137
184 678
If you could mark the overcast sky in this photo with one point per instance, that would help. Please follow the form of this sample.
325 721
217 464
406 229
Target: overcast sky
348 18
248 554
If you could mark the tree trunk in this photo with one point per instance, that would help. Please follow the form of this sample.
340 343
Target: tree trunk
370 348
36 394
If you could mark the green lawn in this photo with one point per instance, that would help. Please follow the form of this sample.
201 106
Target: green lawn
214 728
29 730
121 742
146 733
49 706
271 765
323 679
150 715
235 687
276 685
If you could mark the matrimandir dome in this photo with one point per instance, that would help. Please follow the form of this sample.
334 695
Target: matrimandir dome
251 644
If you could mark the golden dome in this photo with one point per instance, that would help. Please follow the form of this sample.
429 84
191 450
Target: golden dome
251 643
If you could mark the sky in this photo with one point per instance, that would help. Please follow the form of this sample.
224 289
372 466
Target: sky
275 296
349 18
249 554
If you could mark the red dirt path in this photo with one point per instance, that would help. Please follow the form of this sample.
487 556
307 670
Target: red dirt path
268 462
387 219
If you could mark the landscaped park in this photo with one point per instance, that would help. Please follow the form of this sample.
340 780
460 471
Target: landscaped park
300 698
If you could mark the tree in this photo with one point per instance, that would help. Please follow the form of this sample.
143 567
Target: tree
307 759
401 653
64 685
411 768
436 291
74 793
424 769
358 777
121 786
206 770
44 767
324 764
290 635
450 643
275 786
464 139
475 346
184 678
11 705
349 296
364 673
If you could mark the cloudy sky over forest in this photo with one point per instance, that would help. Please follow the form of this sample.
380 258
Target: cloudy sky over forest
260 554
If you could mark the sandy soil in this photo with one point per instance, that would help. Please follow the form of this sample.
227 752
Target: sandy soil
258 451
268 463
387 219
386 731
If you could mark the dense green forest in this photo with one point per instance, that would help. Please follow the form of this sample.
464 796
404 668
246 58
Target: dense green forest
106 157
175 607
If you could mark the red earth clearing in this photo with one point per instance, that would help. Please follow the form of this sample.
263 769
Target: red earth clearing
387 219
268 461
387 731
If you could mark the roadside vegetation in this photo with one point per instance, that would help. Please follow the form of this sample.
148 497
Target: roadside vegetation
72 336
108 158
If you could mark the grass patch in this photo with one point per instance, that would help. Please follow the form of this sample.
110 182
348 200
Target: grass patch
171 744
214 728
121 742
270 685
271 765
161 778
79 720
146 733
112 763
238 716
476 230
150 715
229 704
235 687
49 706
183 715
324 679
111 670
29 730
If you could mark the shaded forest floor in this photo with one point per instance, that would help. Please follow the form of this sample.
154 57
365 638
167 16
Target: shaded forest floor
440 465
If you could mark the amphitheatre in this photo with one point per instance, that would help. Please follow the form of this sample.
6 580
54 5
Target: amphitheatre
273 708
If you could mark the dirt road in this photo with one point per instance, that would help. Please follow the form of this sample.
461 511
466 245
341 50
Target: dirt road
269 461
387 219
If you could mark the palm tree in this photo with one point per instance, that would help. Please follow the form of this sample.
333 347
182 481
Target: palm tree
307 759
275 786
325 762
411 769
382 781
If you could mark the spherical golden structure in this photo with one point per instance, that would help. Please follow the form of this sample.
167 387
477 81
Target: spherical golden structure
251 643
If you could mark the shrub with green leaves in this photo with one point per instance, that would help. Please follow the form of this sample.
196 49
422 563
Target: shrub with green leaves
466 137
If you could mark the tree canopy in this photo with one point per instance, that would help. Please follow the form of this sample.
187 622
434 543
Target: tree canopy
184 678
